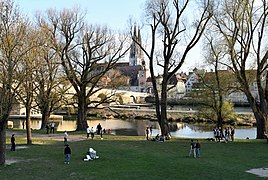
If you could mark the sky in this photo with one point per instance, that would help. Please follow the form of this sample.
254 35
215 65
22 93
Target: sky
113 13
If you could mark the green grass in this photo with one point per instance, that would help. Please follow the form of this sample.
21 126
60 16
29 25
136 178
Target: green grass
132 157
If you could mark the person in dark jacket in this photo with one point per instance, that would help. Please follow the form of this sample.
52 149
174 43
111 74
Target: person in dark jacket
197 148
192 149
67 154
99 128
13 145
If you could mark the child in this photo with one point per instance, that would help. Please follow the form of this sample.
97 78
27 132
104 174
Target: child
67 154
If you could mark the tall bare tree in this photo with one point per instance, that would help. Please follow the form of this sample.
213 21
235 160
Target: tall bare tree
50 78
29 65
166 21
243 26
86 54
12 34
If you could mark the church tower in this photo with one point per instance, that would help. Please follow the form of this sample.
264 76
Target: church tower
136 56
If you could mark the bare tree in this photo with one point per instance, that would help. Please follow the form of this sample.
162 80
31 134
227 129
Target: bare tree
86 54
12 34
29 65
51 82
167 23
243 26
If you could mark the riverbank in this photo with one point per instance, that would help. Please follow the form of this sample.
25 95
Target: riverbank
187 116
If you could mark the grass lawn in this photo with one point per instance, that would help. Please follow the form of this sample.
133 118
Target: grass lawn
131 157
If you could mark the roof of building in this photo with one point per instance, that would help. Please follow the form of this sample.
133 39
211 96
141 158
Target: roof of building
130 71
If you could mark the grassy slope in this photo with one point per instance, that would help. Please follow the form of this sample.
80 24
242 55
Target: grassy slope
135 158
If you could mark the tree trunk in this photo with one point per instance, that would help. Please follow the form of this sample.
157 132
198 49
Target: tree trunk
45 118
220 120
164 123
3 126
82 111
260 121
28 126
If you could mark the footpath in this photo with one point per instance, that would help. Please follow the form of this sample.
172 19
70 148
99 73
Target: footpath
50 136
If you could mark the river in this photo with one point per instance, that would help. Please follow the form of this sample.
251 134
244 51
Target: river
137 128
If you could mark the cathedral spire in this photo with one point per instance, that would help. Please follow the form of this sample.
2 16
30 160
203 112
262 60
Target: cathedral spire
135 30
136 56
139 35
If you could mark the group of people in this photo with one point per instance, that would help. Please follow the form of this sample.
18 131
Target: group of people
148 132
159 138
91 154
99 131
195 149
225 135
50 127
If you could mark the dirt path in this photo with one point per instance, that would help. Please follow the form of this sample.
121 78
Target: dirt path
56 136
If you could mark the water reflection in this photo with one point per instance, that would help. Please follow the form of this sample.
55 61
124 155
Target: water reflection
201 131
137 127
124 127
66 126
21 124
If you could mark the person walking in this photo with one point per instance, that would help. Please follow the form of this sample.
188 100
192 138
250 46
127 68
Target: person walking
99 128
192 149
197 147
67 154
13 145
147 133
65 137
47 128
92 133
232 133
88 132
52 127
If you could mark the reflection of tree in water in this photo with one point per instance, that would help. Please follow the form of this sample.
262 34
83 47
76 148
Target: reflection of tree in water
173 127
200 127
176 126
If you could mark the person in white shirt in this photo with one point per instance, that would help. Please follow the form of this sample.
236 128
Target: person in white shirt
52 127
92 133
65 137
88 131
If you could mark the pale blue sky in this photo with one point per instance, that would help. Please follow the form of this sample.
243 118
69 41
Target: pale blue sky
113 13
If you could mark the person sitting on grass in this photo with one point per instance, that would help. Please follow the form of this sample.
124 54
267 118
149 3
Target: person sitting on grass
91 155
161 139
223 140
156 138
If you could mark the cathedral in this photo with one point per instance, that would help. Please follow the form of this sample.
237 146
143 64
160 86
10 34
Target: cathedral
135 69
136 56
